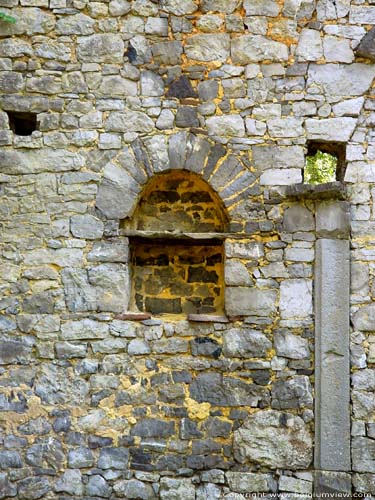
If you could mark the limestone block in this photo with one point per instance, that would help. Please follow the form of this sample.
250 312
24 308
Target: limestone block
210 47
309 46
133 488
129 121
151 84
86 226
337 50
296 299
225 6
249 250
332 483
338 81
179 7
275 440
247 49
265 157
236 273
244 342
333 219
79 294
176 488
281 177
247 482
226 125
259 8
362 14
244 301
329 10
119 7
114 85
363 453
101 48
298 218
83 329
350 107
79 24
330 129
290 345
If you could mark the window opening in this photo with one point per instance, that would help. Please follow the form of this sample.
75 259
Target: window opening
177 247
22 123
325 162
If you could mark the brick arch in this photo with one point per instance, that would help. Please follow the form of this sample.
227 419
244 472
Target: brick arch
125 176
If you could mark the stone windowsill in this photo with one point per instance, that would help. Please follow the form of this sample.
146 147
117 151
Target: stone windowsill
329 190
202 318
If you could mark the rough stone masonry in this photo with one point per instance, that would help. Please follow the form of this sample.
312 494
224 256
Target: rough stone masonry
260 385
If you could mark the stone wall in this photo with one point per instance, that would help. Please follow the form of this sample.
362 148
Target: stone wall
100 400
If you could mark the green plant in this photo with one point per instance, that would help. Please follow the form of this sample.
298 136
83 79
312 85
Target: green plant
7 18
320 168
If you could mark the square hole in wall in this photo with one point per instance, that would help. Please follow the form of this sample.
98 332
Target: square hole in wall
325 162
22 123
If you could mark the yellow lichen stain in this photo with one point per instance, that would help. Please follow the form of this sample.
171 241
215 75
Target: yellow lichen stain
197 411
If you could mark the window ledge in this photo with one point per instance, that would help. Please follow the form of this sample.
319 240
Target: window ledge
329 190
172 235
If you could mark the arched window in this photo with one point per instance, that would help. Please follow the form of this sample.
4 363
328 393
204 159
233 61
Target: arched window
177 252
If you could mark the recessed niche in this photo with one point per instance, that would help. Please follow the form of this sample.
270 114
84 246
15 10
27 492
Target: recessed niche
325 162
177 247
22 123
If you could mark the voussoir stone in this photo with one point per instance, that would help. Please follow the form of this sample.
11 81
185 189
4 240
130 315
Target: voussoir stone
274 439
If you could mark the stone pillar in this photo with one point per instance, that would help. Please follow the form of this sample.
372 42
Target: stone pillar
332 362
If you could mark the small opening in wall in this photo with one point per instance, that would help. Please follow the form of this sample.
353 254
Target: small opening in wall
22 123
325 162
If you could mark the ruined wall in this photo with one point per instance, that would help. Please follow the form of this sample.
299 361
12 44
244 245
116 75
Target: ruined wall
100 400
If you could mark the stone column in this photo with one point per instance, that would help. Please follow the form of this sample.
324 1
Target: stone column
332 362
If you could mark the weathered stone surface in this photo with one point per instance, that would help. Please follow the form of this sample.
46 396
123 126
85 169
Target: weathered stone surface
32 488
15 350
149 427
330 129
116 250
309 46
337 81
247 482
293 393
240 342
70 482
134 489
86 226
98 486
333 220
245 301
224 391
212 47
174 489
291 346
296 298
179 7
33 162
363 453
113 458
225 6
274 439
54 386
298 218
254 48
105 48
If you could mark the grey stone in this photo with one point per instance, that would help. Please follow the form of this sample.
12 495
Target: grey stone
265 157
117 194
139 51
309 46
70 482
338 81
205 346
210 47
15 350
176 489
298 218
225 6
101 48
274 439
167 52
208 90
79 294
116 250
181 88
151 84
179 7
245 301
129 121
330 129
32 162
187 116
7 489
226 125
46 452
83 329
296 299
244 342
248 482
112 286
119 8
335 484
213 388
86 226
113 458
32 488
258 8
363 453
336 50
247 49
53 386
138 347
10 459
134 488
333 219
295 392
332 403
152 427
80 458
78 24
329 10
294 485
97 486
291 346
68 350
366 47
